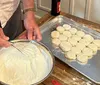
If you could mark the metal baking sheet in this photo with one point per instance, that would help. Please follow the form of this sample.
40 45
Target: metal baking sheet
92 69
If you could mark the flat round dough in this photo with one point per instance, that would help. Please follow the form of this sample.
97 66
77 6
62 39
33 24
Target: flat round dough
76 37
65 46
87 51
75 50
70 55
88 37
72 41
66 26
55 34
62 37
97 43
60 29
81 46
67 34
80 33
84 41
93 47
73 30
56 42
82 58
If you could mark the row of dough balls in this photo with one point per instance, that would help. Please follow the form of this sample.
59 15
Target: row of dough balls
75 44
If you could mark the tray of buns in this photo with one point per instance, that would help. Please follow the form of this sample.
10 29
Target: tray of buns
74 44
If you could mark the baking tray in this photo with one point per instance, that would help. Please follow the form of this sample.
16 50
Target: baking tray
92 69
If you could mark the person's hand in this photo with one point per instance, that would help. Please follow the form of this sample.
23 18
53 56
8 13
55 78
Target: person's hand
3 39
32 29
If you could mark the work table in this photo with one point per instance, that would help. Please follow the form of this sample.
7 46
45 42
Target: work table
63 73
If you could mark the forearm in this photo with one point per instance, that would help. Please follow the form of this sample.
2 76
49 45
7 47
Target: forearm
28 4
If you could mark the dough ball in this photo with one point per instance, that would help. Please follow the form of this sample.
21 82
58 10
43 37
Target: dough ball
76 50
82 58
84 41
65 46
97 43
62 37
55 34
76 37
66 26
72 41
93 47
80 33
88 37
56 42
81 46
67 34
70 55
87 51
73 30
60 29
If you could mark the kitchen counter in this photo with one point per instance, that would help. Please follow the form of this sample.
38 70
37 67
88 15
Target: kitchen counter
62 72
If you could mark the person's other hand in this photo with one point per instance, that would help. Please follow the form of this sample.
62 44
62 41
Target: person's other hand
3 39
32 29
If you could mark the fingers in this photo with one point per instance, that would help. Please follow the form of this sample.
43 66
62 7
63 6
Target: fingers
4 43
23 36
2 35
39 36
30 34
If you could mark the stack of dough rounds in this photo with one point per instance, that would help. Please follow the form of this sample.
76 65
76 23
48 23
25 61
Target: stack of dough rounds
82 58
70 55
56 42
88 37
76 50
76 37
65 46
80 33
93 47
55 34
66 26
62 37
73 30
67 34
60 29
72 41
88 52
97 43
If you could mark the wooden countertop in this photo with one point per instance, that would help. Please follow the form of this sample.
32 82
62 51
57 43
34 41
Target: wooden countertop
62 72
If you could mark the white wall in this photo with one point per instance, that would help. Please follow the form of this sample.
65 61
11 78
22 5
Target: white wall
88 9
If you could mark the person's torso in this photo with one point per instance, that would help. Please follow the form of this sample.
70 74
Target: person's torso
7 8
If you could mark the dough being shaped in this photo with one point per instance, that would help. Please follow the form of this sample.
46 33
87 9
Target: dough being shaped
81 46
62 37
88 37
56 42
76 37
75 50
66 26
93 47
60 29
67 34
65 46
80 33
72 41
87 51
84 41
97 43
73 30
55 34
70 55
82 58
